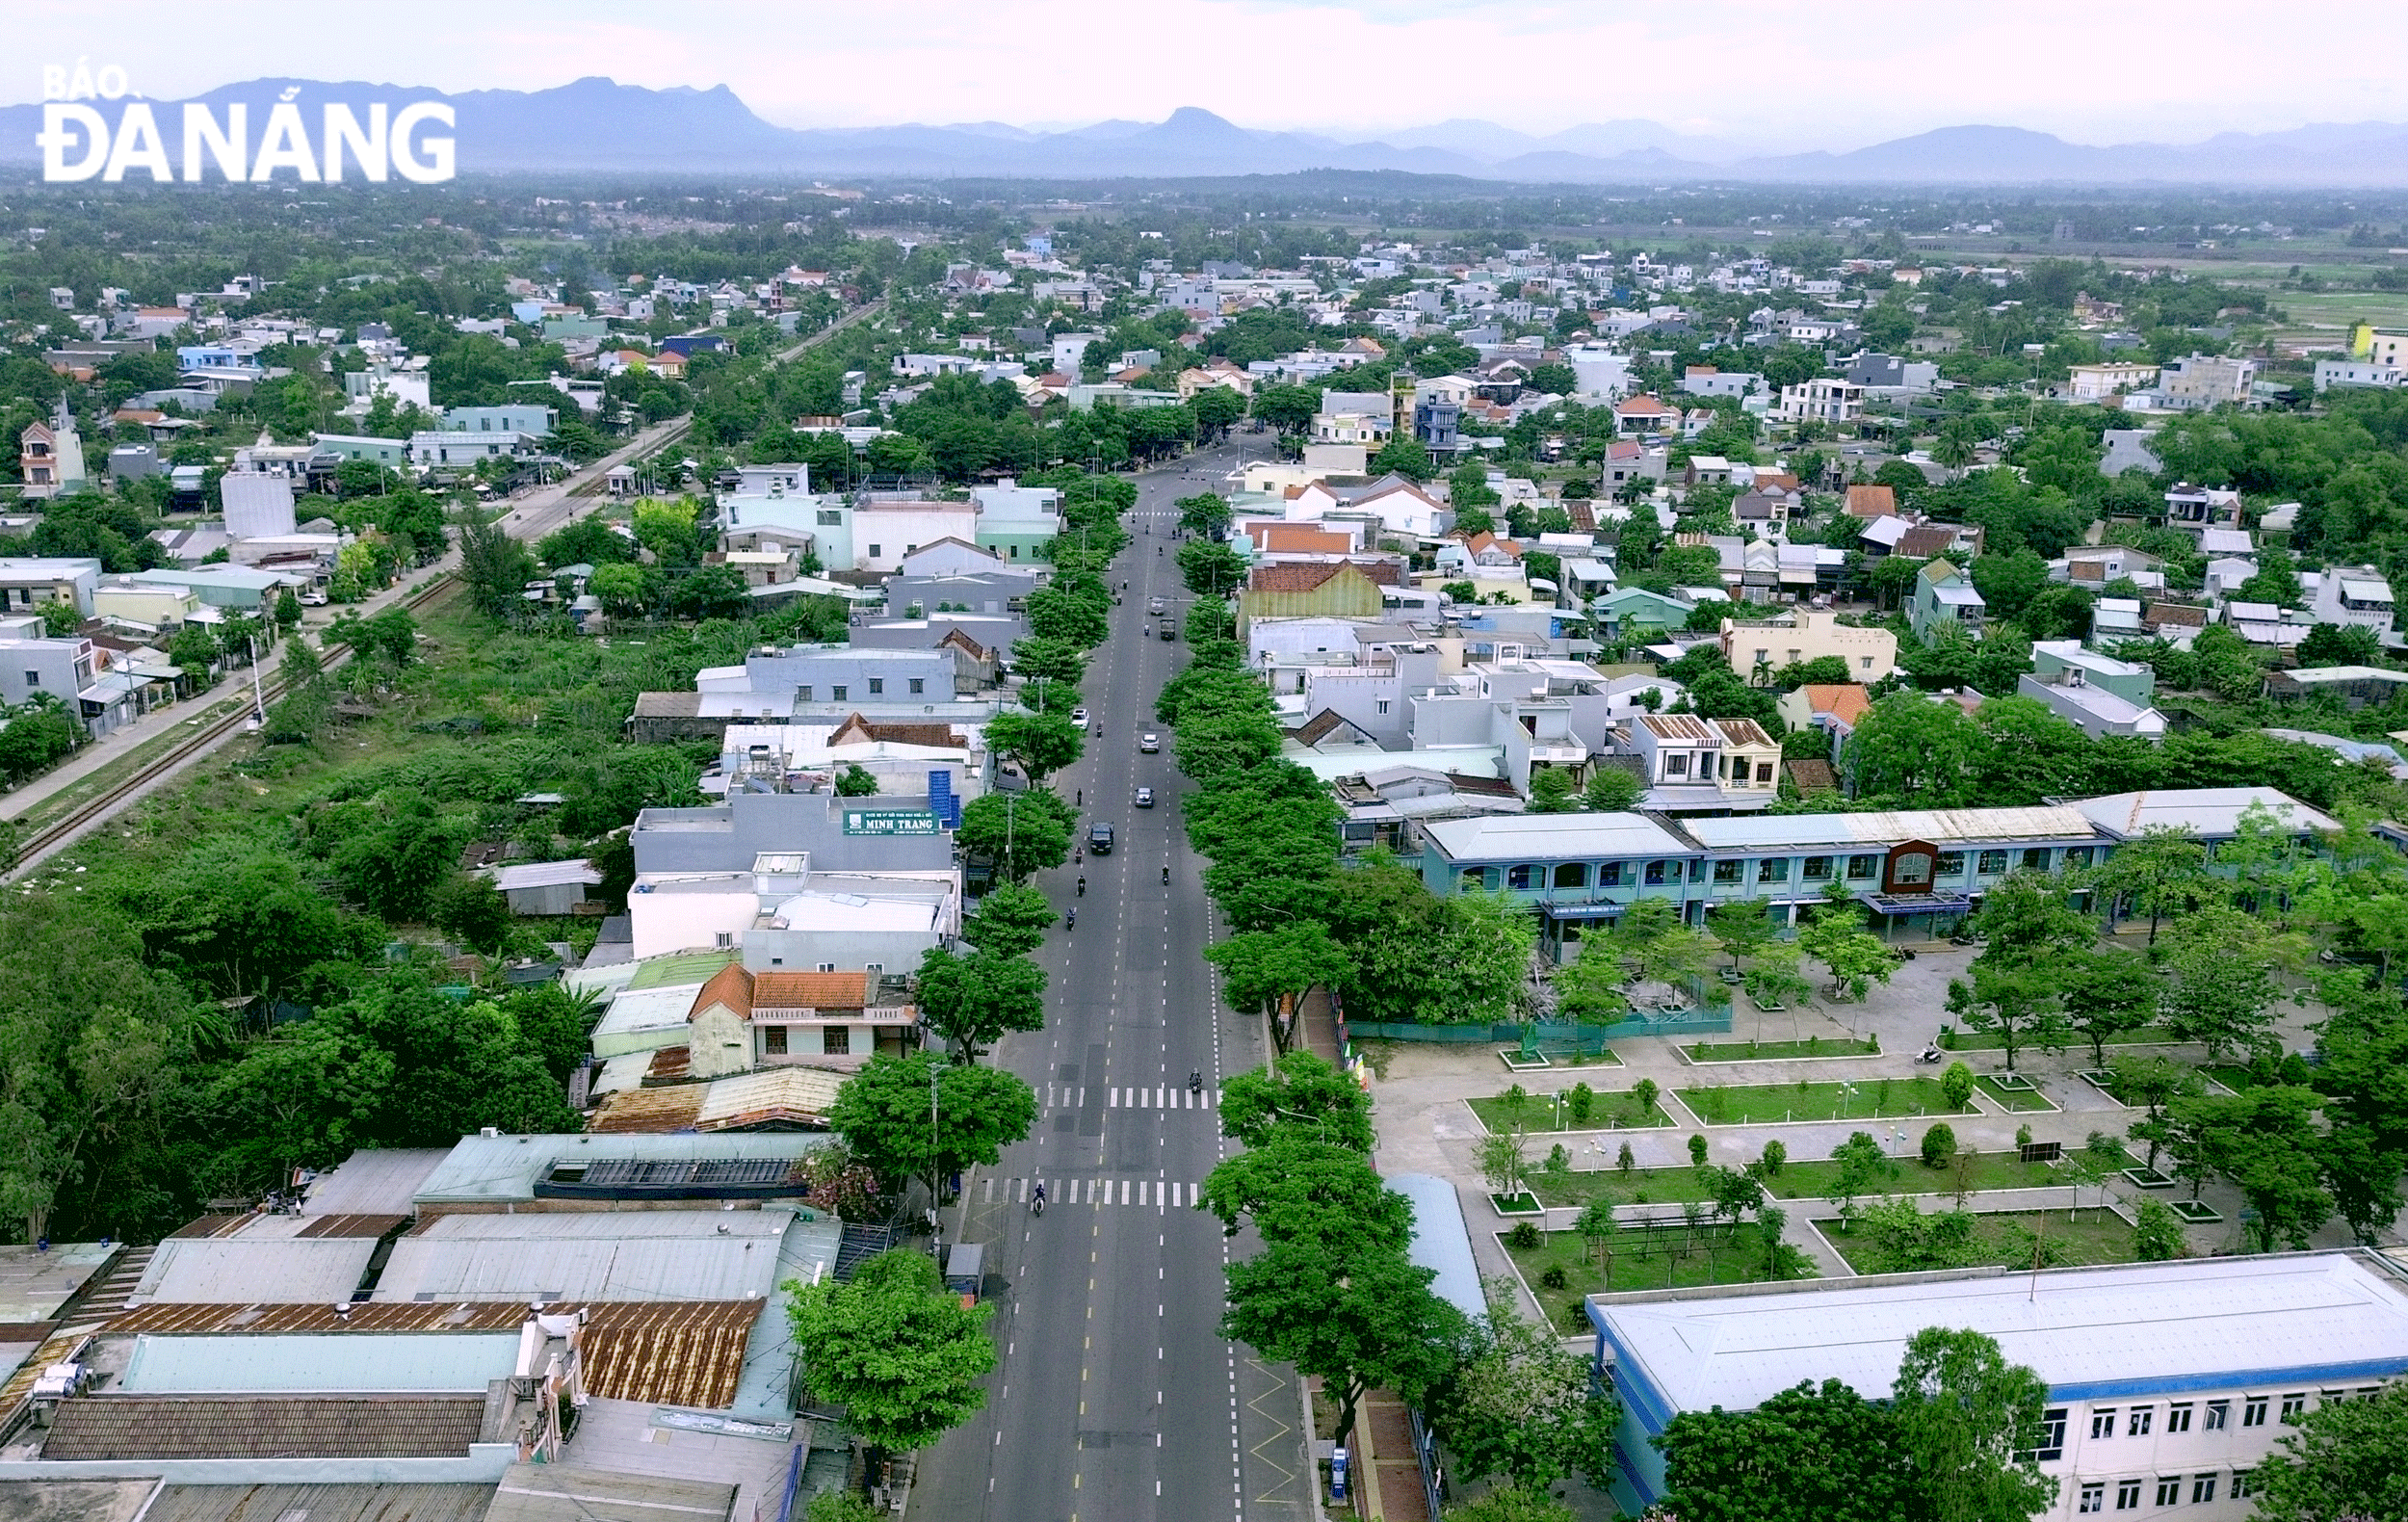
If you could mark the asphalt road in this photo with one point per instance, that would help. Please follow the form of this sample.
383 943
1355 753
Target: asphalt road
1115 1399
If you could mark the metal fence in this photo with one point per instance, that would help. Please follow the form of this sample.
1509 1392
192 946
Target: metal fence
1552 1036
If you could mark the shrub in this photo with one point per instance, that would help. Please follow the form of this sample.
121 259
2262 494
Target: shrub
1559 1161
1697 1150
1645 1091
2023 1136
2156 1233
1584 1101
1554 1279
1956 1086
1939 1146
1623 1162
1775 1154
1575 1315
1524 1236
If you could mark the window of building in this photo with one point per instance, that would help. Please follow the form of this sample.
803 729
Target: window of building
773 1041
1382 706
1518 878
2177 1417
1816 868
875 551
2076 857
2292 1405
2102 1423
877 685
1655 871
836 1041
2052 1435
1764 773
2244 1481
2127 1494
1726 872
1865 661
1676 763
1861 868
1610 876
2169 1491
918 685
2137 1424
2217 1413
2036 859
1991 863
2253 1411
1572 875
1773 869
726 938
1951 863
838 691
2201 1489
33 678
1696 870
1474 878
1912 869
803 693
2094 1497
831 518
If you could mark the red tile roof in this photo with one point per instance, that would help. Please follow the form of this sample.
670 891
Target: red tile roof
1871 502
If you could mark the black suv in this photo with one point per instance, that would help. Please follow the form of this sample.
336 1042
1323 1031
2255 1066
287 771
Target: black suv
1099 839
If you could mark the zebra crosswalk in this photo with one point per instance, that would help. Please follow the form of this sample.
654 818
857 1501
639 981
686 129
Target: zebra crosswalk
1074 1096
1157 1194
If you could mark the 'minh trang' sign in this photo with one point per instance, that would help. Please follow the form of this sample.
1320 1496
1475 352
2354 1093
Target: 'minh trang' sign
891 822
81 141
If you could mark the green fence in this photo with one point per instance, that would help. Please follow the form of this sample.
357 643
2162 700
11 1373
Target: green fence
1552 1036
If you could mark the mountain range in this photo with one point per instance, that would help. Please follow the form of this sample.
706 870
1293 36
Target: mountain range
595 124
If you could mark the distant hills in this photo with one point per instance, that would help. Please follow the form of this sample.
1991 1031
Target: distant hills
598 125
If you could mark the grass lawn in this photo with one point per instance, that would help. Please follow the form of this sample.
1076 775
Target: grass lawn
1875 1098
2093 1237
1776 1051
1637 1264
1985 1041
1536 1112
2018 1100
1797 1180
117 772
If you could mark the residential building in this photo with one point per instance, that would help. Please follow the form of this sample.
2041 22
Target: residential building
741 1020
797 677
2199 382
2354 596
2168 1383
27 583
445 449
1871 502
1805 635
2341 374
516 418
2097 382
1944 596
1822 400
1341 588
2356 685
546 888
2377 345
886 528
1707 381
1643 417
50 457
1018 523
784 912
1834 708
2098 693
258 504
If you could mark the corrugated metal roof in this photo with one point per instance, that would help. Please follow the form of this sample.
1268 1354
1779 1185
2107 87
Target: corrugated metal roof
545 875
1553 836
231 1269
1440 1241
789 1097
560 1494
616 1255
2219 1319
395 1502
2208 812
495 1170
187 1364
372 1180
1888 827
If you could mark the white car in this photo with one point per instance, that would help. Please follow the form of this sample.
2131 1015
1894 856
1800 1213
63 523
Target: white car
1078 716
1149 742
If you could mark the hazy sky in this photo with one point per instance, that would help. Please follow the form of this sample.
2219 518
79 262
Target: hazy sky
1775 73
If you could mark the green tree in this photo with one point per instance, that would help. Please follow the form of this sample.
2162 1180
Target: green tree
2160 872
1298 1090
2156 1233
1864 1168
1259 969
883 1114
1210 568
1042 744
1551 791
2341 1460
1613 790
2107 993
1853 956
1358 1321
1909 748
972 1001
899 1354
623 587
1803 1455
1058 615
855 781
1969 1422
1010 921
1741 929
1020 832
495 566
2222 962
2018 1004
1404 456
1522 1406
1510 1504
472 908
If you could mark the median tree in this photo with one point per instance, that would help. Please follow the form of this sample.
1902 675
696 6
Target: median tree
899 1354
1210 568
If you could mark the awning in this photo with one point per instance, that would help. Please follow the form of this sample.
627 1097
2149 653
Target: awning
1933 903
